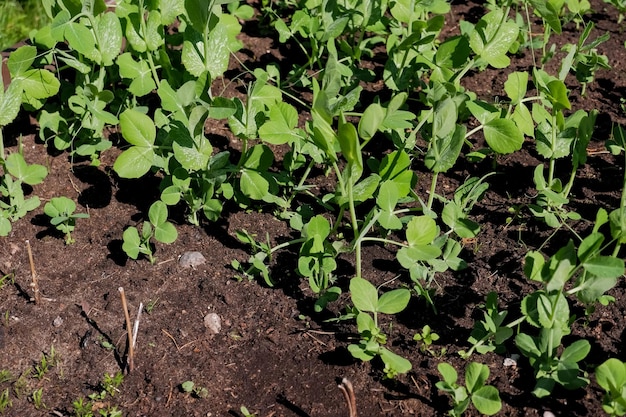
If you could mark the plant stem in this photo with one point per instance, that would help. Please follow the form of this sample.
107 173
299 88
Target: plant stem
433 186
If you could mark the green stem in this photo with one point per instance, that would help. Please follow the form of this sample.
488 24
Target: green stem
1 145
433 186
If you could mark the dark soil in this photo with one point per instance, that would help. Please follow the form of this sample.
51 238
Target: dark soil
274 355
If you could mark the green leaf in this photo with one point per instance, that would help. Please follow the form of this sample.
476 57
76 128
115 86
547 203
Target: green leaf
59 206
548 13
192 153
81 39
131 242
363 294
137 128
38 84
280 129
515 86
109 31
371 121
21 59
253 184
28 174
198 12
527 346
492 38
134 162
153 36
350 147
557 94
394 301
165 233
611 375
475 376
407 257
503 136
394 363
444 151
421 230
10 101
139 72
604 266
219 46
448 373
576 352
487 400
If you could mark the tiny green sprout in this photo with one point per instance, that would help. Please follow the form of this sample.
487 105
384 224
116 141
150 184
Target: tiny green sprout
7 278
427 337
151 305
61 210
5 400
245 412
105 343
37 399
191 388
5 375
82 407
111 383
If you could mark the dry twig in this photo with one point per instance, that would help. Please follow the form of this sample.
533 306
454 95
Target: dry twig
129 329
348 393
35 283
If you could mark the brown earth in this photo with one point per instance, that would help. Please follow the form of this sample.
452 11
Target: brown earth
274 355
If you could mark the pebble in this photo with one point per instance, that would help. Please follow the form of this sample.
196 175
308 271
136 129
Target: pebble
213 323
548 414
57 322
191 259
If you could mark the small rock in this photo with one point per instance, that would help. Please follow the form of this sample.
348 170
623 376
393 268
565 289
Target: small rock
213 322
510 362
57 322
191 259
548 414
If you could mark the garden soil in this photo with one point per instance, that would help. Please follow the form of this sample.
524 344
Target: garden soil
273 354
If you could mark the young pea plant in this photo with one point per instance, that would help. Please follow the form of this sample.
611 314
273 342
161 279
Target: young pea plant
490 333
426 338
485 398
611 376
156 227
62 216
548 309
366 300
192 388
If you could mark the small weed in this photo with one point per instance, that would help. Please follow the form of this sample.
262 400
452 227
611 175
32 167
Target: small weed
151 305
37 399
197 391
110 411
426 339
82 408
111 383
47 361
245 412
5 375
106 344
7 278
21 384
5 400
